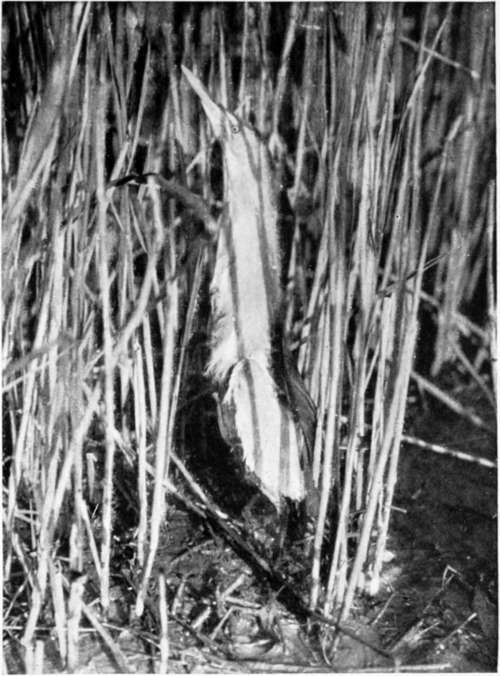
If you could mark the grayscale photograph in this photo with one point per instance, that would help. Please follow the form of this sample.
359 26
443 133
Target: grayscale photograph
249 337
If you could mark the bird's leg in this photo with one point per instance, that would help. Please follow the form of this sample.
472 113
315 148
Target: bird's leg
295 527
283 528
247 509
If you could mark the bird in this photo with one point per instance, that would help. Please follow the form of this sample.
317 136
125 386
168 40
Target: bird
264 409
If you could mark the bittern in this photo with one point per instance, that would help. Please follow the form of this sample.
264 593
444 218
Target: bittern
264 408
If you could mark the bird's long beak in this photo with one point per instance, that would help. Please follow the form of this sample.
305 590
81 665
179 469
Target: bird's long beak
215 114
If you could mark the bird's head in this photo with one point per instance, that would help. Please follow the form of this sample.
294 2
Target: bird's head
236 136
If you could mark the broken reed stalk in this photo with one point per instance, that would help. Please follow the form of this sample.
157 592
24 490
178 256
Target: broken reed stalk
76 590
87 378
474 372
451 452
451 403
60 618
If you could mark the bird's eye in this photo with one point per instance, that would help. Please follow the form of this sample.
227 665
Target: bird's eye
235 128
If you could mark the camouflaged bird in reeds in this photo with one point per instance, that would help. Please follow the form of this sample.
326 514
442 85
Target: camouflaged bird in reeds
263 406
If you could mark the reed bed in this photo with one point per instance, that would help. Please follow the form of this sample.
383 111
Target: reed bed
380 121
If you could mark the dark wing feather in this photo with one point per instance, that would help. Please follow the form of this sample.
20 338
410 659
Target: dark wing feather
303 407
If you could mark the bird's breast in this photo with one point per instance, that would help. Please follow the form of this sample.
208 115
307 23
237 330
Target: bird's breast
245 290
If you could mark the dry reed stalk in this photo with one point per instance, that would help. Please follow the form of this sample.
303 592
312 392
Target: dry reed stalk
163 613
310 49
34 658
150 370
83 514
474 372
104 283
77 607
453 453
452 403
60 617
76 589
140 416
305 113
225 82
296 12
490 286
468 328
